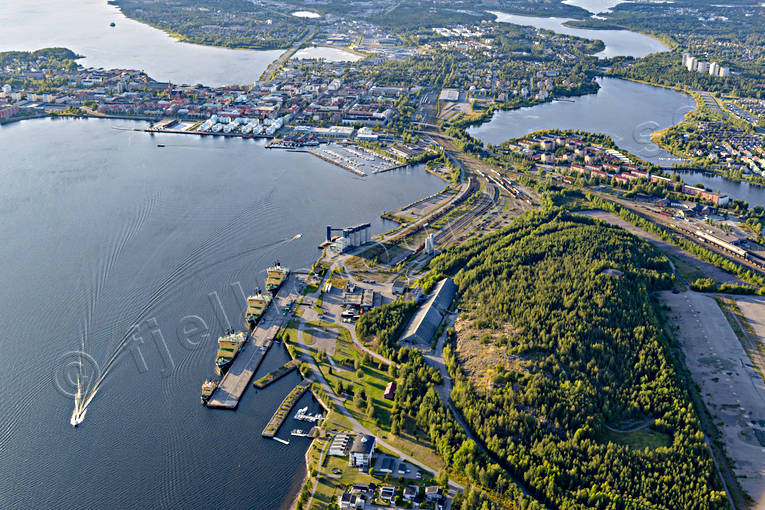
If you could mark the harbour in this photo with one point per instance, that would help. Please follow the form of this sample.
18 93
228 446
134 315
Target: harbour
147 244
282 412
235 381
222 205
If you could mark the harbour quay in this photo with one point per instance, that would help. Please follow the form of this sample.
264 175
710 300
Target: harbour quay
259 341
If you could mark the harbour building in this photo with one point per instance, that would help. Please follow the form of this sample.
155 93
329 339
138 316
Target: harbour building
427 319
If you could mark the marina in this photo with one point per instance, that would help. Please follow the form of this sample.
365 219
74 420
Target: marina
304 415
359 160
283 411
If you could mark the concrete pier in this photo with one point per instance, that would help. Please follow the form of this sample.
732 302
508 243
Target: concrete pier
232 386
277 374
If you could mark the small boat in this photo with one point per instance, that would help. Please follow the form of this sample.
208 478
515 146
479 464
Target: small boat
112 24
160 145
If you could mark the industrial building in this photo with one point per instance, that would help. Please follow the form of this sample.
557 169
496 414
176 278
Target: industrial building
362 300
352 237
427 319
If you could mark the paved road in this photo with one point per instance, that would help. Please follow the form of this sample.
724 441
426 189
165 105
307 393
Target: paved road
337 317
357 426
286 55
318 472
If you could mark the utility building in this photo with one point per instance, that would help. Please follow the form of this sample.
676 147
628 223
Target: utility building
427 319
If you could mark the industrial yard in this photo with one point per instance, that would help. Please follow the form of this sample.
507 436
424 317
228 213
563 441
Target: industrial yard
730 386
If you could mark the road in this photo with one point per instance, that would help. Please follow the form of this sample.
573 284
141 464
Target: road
340 405
318 472
435 358
357 426
276 64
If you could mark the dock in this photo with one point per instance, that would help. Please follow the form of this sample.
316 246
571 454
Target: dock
283 411
259 341
336 162
276 374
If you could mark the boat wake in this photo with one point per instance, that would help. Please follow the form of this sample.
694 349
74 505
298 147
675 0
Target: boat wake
78 413
84 395
77 417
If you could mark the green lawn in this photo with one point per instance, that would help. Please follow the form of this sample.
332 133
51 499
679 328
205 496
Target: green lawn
373 382
638 440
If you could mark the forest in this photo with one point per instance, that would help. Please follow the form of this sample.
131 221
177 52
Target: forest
228 23
386 323
568 299
52 58
416 402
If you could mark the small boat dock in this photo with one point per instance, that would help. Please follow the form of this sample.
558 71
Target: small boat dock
283 411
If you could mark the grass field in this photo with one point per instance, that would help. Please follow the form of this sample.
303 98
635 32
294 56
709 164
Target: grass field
638 440
374 380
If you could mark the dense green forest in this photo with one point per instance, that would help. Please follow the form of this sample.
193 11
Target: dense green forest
230 23
53 57
417 404
386 323
592 355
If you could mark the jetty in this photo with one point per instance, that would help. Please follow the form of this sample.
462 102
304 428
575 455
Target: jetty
276 374
248 360
283 411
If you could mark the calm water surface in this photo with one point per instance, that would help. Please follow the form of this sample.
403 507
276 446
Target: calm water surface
751 193
100 225
83 27
594 6
626 111
618 42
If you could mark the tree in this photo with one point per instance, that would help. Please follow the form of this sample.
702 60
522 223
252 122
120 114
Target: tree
443 479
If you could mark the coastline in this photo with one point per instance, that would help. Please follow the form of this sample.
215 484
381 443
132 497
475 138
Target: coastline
186 40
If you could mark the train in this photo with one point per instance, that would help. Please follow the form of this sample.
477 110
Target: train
723 244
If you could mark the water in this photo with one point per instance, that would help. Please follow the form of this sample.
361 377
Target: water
306 14
94 220
618 42
327 53
83 27
594 6
626 111
751 193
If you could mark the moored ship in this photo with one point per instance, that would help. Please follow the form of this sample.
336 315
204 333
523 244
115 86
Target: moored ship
208 387
228 347
276 276
256 307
